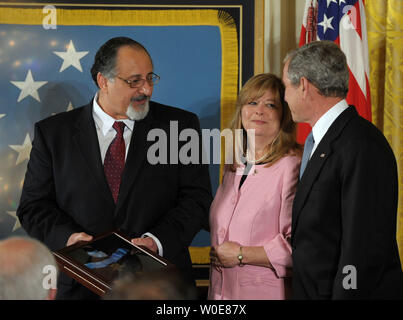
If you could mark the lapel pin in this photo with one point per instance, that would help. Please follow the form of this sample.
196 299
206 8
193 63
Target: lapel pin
322 155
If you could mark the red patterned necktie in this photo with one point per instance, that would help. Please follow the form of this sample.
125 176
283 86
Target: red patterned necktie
115 160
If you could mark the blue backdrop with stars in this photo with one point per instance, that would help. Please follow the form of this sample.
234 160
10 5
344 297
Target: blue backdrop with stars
43 72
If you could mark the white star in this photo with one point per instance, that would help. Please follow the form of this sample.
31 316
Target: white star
69 108
326 23
71 57
23 150
330 1
17 223
342 1
29 87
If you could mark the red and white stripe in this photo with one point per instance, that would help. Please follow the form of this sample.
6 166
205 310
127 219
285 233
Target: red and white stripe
353 41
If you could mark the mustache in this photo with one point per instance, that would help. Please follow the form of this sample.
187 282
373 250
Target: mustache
139 98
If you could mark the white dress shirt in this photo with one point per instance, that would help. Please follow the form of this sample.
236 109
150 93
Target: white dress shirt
106 133
323 124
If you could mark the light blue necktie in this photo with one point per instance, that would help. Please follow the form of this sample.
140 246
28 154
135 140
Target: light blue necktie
309 143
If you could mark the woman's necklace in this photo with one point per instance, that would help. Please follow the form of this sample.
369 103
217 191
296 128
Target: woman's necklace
264 156
254 161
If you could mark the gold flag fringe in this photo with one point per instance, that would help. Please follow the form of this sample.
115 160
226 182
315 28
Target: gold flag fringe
200 255
132 17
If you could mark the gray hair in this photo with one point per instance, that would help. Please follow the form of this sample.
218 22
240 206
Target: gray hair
323 64
22 263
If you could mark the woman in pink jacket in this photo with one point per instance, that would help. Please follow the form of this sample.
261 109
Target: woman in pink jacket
250 217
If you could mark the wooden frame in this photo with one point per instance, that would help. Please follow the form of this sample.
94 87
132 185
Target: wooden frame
94 281
259 36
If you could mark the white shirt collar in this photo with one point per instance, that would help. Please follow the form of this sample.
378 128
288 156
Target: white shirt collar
323 124
104 121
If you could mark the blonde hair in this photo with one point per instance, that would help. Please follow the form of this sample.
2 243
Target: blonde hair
285 141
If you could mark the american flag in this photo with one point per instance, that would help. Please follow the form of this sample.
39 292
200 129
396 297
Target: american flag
341 21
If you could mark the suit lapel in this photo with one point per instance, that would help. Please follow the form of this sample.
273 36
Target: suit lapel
135 157
318 159
87 141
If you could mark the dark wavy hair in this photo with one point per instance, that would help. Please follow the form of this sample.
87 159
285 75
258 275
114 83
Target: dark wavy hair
105 58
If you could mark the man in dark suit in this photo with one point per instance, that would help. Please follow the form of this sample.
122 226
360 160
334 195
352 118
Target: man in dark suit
345 209
90 172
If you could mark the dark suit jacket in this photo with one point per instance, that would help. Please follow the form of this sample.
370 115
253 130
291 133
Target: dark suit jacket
65 189
344 214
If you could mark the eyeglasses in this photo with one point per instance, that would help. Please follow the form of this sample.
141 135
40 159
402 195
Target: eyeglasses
151 78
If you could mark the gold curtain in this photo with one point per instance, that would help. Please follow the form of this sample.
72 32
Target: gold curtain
385 46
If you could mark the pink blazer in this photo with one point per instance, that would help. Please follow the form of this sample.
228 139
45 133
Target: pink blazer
259 214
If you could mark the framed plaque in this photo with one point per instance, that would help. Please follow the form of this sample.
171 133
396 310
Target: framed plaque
98 263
